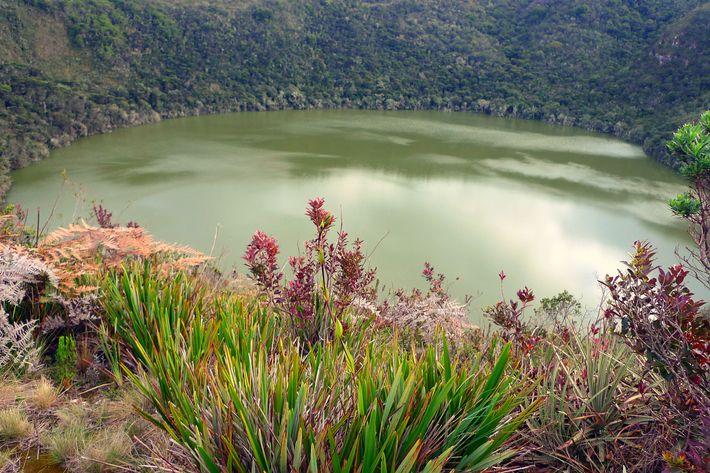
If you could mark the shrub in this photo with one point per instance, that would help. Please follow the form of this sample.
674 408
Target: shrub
660 320
560 314
105 218
657 316
331 278
598 414
509 317
327 279
66 360
691 146
13 228
425 315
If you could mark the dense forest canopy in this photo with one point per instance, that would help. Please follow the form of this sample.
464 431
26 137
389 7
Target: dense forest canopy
70 68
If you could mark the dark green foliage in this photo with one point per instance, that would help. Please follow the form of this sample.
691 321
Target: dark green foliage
66 360
634 69
97 25
691 145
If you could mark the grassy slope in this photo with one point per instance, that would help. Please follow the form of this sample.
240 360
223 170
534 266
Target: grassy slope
69 68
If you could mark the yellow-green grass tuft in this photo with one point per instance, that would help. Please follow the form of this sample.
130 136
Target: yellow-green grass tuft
5 459
108 448
65 443
14 424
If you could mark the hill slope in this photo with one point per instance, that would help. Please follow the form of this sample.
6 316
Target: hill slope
69 68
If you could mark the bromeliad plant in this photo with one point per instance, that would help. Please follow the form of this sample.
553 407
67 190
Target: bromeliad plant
231 384
327 279
592 419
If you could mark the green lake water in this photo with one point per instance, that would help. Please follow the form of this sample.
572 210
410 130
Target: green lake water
555 208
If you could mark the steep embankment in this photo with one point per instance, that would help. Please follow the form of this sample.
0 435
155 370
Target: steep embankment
70 68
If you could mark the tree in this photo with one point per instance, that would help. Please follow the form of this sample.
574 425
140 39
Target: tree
691 146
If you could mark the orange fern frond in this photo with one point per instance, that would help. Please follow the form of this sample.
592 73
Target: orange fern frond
83 250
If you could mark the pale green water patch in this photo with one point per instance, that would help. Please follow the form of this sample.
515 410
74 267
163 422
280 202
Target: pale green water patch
556 208
32 461
42 463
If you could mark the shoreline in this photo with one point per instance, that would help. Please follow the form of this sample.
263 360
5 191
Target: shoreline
493 108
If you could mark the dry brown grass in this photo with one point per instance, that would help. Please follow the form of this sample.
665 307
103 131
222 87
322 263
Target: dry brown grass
65 442
10 390
45 395
105 433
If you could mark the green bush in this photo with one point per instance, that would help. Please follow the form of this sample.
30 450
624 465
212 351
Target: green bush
65 360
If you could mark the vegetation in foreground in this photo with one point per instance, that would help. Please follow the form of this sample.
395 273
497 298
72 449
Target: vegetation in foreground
120 353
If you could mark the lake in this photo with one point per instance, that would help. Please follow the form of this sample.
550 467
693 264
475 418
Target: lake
555 208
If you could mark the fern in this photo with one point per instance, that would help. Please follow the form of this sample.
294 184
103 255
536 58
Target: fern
77 311
18 351
70 255
19 271
81 250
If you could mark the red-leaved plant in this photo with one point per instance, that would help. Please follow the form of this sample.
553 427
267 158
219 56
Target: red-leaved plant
105 218
326 280
508 315
659 318
656 313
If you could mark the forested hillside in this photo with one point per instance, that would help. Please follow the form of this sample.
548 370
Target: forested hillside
70 68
